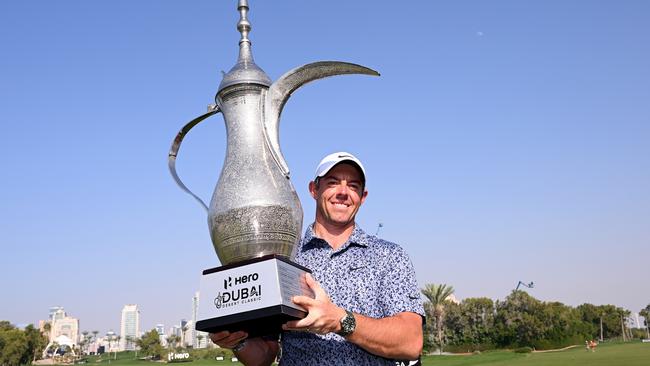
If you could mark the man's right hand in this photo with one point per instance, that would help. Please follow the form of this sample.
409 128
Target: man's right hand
258 351
228 340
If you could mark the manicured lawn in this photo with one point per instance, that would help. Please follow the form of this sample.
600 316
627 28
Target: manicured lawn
624 354
129 359
614 354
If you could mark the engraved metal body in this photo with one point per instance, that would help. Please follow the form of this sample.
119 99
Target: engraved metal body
255 210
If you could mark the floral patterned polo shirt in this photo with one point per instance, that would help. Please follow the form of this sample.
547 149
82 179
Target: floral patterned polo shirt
366 275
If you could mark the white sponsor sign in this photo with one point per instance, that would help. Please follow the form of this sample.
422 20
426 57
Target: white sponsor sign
249 287
178 356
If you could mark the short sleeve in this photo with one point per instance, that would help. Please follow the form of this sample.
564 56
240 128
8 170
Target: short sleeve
400 288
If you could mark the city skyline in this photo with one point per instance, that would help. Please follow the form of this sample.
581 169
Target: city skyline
504 141
61 323
633 321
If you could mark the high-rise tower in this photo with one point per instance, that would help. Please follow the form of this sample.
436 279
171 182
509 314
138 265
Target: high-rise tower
129 326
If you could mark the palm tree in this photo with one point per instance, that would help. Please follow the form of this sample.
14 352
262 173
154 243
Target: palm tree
47 329
128 339
117 339
132 341
645 312
184 330
84 341
82 346
623 314
171 341
87 339
199 338
437 295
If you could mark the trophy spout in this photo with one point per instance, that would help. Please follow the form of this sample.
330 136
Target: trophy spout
280 91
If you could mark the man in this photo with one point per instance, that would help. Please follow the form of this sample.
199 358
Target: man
367 308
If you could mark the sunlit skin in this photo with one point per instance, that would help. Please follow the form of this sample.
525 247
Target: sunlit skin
339 195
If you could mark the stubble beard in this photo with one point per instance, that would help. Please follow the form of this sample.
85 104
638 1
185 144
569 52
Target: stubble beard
327 221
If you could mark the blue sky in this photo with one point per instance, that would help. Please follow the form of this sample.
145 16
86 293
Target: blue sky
504 141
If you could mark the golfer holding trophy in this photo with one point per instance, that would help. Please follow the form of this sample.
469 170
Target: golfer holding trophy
255 222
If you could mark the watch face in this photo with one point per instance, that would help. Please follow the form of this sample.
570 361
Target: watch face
348 324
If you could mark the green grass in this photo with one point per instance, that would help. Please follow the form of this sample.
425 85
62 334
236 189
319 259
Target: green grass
608 354
128 358
626 354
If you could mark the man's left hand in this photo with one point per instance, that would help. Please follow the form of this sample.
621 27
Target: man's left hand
323 316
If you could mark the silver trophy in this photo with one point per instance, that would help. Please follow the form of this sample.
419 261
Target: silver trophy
255 216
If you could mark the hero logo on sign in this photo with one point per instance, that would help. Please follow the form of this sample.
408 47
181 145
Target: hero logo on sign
178 357
227 283
235 296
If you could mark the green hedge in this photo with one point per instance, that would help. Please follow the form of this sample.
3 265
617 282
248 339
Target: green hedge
546 344
210 353
523 350
467 347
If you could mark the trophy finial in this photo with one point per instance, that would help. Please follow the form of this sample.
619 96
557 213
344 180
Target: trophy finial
245 70
244 27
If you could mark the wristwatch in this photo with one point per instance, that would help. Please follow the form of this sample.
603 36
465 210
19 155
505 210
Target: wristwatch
238 347
348 324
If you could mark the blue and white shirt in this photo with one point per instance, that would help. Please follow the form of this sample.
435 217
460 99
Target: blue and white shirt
367 276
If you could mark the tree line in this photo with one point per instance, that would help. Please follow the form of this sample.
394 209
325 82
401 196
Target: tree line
519 320
19 346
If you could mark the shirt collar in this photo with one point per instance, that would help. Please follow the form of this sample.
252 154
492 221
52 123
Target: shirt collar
357 238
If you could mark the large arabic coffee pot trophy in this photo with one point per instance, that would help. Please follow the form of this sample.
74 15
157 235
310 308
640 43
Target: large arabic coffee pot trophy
255 216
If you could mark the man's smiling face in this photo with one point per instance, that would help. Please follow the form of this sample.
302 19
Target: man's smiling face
338 195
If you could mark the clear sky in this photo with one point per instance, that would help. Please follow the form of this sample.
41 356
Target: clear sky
504 141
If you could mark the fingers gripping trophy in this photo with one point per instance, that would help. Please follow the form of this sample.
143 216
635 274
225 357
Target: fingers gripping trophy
255 216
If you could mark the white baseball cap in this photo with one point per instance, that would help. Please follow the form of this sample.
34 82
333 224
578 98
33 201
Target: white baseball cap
332 160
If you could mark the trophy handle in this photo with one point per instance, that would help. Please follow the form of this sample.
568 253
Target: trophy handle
176 145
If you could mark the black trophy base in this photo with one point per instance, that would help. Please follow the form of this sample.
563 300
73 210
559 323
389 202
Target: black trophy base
259 322
271 281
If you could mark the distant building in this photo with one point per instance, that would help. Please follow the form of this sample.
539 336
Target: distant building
175 330
41 327
452 298
199 339
56 312
129 326
160 328
67 326
187 337
195 310
184 329
64 330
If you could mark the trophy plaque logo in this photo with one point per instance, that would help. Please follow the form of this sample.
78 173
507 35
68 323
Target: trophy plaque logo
255 216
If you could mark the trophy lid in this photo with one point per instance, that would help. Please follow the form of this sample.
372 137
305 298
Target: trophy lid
245 70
